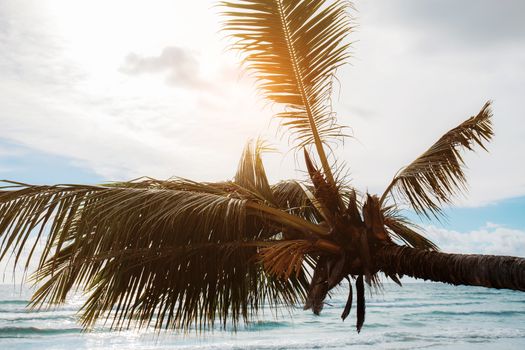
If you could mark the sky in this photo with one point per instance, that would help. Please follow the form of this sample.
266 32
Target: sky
94 91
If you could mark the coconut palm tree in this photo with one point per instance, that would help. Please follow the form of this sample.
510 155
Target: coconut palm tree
181 254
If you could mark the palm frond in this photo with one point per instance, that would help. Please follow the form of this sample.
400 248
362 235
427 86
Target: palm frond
292 197
438 174
251 174
360 292
326 194
284 213
293 47
401 228
283 259
167 257
223 188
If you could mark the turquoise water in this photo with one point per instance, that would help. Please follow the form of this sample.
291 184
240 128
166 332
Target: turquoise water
418 315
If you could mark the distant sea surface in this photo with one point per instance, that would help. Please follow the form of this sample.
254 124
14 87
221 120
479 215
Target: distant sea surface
416 316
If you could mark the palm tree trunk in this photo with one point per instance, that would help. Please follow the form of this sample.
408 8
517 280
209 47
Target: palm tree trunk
474 270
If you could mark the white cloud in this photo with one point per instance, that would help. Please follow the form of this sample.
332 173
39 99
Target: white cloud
181 66
55 100
467 24
411 95
491 239
62 92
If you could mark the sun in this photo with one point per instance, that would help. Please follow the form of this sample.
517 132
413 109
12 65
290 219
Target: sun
91 41
96 36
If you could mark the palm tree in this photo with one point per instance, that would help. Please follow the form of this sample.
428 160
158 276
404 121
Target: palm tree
179 253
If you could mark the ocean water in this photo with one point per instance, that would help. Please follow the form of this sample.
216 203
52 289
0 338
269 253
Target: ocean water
415 316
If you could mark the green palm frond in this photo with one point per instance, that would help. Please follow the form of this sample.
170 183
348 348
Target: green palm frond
293 47
169 257
438 174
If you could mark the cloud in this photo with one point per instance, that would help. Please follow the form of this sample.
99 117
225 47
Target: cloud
413 94
181 67
59 98
481 24
62 93
492 239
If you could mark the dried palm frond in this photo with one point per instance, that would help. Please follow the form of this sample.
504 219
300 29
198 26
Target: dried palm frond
180 184
292 197
348 305
170 258
251 174
283 259
437 175
361 307
326 195
293 47
401 228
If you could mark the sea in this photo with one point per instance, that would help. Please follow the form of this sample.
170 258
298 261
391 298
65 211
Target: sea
415 316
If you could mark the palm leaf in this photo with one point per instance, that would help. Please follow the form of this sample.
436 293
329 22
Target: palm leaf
294 198
251 174
169 257
438 174
283 259
293 47
401 228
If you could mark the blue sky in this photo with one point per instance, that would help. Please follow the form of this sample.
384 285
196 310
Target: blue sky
30 166
507 213
84 103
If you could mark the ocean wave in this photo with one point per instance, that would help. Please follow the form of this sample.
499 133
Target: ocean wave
30 332
26 310
38 317
264 325
501 313
14 302
418 305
